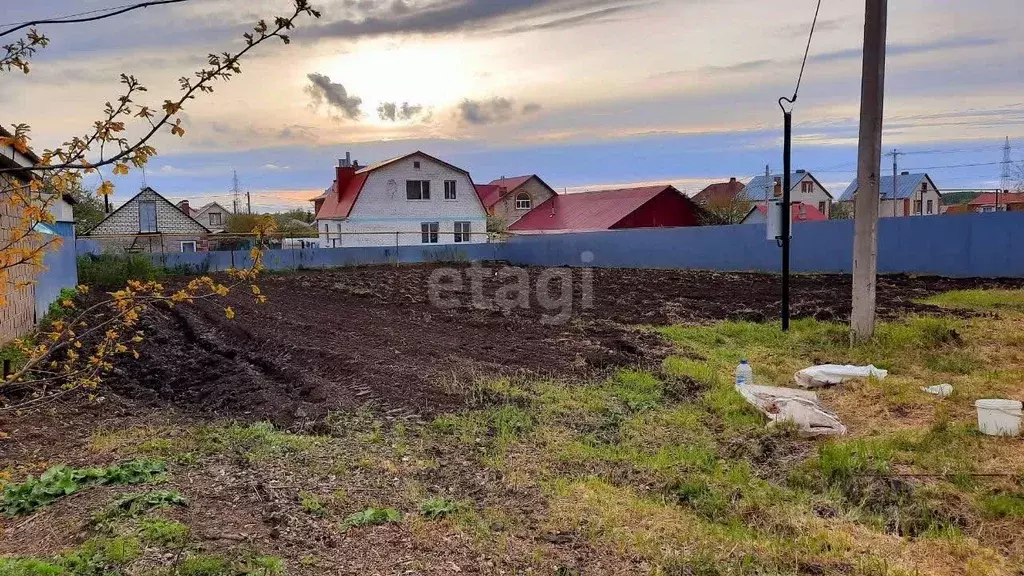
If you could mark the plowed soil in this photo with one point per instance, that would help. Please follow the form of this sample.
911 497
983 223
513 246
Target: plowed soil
351 337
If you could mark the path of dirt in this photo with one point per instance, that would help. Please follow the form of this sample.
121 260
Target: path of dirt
344 338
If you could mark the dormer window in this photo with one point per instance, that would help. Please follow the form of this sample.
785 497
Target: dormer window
523 201
416 164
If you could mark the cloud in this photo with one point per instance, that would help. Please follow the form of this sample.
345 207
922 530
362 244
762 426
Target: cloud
494 111
393 111
593 17
275 167
447 16
321 90
906 49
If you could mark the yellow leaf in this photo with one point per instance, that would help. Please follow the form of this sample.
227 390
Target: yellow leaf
106 188
120 169
229 313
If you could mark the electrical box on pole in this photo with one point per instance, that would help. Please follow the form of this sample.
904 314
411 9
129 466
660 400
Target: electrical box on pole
775 216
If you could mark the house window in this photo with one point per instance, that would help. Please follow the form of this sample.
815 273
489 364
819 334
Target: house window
807 186
917 206
188 246
416 164
147 217
417 189
524 202
429 232
462 232
449 190
214 218
931 206
821 207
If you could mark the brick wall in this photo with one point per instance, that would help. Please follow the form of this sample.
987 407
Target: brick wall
506 209
120 231
17 317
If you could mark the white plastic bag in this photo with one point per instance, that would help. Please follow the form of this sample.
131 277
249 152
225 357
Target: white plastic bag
832 374
798 406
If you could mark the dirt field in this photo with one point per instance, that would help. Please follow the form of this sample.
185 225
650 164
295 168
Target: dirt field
351 337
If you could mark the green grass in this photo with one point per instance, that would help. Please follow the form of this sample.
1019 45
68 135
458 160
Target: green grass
165 533
134 505
437 508
311 504
988 300
1002 505
372 517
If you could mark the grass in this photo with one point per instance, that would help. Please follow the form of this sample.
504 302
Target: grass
987 300
60 481
372 517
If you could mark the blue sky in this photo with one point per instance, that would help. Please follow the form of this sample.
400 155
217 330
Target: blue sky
585 93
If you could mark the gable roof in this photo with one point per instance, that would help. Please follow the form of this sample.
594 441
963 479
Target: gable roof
906 186
335 208
209 205
810 213
133 198
598 210
755 189
719 192
491 194
989 199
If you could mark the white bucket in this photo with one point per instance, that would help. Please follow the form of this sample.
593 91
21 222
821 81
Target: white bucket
999 417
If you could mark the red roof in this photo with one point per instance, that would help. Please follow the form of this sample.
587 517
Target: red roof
338 208
587 210
989 199
489 194
810 213
719 192
511 184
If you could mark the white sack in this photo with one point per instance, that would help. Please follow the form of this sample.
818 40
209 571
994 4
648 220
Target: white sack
832 374
798 406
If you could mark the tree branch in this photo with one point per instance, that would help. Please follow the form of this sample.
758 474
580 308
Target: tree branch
24 25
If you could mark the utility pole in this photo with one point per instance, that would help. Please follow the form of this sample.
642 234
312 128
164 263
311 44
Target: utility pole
236 193
248 202
1004 182
869 167
895 172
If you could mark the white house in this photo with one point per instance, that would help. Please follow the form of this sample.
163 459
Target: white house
804 188
915 195
211 215
148 222
412 199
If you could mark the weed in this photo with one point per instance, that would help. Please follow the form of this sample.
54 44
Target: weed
133 505
263 566
112 270
311 504
162 532
1002 505
437 508
60 481
205 565
372 517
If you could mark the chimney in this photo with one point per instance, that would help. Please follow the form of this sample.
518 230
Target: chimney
778 188
801 171
802 214
732 180
905 173
184 207
344 174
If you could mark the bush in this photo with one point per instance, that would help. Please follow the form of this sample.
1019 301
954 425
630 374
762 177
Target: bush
113 270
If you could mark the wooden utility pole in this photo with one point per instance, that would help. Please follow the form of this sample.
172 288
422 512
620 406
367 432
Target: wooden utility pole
869 168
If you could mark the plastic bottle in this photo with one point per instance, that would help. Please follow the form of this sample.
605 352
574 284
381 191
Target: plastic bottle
744 373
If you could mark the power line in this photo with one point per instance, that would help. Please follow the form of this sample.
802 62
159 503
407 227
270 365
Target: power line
86 17
803 64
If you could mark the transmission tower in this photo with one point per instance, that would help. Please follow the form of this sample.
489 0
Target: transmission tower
236 192
1004 183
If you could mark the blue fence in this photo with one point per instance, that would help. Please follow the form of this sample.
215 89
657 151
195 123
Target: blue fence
984 245
61 269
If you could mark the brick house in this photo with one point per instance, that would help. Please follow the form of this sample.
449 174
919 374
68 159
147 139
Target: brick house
148 222
509 199
412 199
804 188
211 215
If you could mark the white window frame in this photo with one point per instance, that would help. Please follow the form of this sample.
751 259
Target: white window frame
807 187
220 219
156 228
451 190
524 205
194 244
424 186
430 232
463 232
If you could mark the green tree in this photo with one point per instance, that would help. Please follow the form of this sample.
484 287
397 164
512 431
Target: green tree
841 211
89 211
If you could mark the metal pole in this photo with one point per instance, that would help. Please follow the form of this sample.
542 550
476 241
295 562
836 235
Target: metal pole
895 155
869 165
787 152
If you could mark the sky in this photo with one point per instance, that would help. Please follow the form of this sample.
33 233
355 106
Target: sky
584 93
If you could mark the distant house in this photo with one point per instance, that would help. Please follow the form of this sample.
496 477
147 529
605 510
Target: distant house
1001 202
509 199
804 188
647 207
724 200
915 195
148 222
758 214
412 199
211 215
